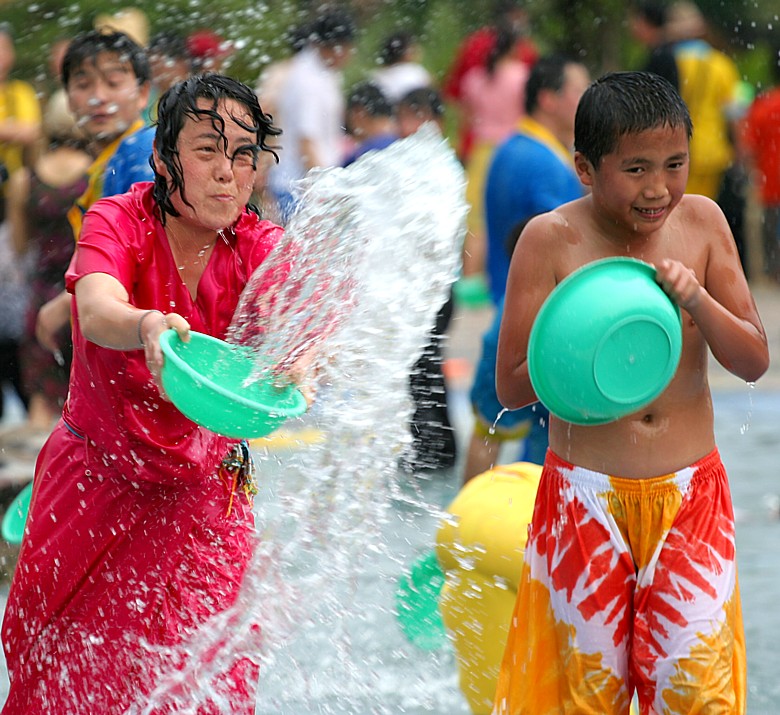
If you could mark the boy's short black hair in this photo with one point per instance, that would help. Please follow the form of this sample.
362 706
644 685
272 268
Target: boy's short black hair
425 100
548 72
181 102
621 103
88 45
371 98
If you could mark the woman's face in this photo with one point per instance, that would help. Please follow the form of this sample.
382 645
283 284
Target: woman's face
218 174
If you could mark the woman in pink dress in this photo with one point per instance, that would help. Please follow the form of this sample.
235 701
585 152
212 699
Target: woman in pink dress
141 528
492 101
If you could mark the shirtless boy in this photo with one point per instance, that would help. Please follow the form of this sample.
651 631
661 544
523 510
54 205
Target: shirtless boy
629 581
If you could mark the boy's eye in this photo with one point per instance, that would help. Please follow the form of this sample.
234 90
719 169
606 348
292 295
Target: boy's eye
115 79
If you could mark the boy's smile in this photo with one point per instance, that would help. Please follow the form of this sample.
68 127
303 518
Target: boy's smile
636 186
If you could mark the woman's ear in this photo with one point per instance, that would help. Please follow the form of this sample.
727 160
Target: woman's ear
158 166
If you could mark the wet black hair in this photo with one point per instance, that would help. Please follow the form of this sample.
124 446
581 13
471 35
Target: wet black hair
395 47
425 99
548 72
371 98
88 45
621 103
181 102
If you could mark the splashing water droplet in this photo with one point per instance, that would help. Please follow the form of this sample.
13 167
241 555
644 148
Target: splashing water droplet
492 429
746 424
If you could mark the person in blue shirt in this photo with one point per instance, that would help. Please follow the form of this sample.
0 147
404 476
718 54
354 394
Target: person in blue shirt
106 77
531 173
369 119
130 162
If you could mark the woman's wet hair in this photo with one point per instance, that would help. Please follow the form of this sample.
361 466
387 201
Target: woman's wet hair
181 102
621 103
87 46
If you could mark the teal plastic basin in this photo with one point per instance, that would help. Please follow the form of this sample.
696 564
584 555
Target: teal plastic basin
205 379
15 517
605 343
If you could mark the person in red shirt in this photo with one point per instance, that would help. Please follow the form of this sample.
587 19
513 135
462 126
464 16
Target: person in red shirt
761 145
474 52
135 537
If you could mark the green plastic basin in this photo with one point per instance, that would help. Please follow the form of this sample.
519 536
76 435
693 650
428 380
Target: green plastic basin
605 343
206 379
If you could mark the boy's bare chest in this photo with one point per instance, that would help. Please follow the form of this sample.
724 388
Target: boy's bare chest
674 243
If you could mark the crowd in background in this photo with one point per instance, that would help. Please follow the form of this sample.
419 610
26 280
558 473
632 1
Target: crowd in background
501 113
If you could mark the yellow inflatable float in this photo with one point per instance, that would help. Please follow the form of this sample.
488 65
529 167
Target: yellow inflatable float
480 546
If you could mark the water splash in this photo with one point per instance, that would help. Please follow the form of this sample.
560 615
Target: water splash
364 267
494 426
745 426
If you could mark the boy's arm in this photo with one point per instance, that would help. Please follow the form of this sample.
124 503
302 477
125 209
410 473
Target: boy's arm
531 279
720 301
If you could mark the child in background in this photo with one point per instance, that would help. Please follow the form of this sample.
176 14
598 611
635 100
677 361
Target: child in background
629 582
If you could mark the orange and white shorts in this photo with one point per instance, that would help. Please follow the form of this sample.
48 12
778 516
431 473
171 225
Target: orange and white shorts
629 586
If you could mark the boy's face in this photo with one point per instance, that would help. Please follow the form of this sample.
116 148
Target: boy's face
218 179
638 185
105 96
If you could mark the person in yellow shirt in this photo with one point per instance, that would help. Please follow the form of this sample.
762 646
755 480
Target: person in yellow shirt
709 84
20 114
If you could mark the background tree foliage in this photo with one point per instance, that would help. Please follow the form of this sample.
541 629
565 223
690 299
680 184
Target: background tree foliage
594 30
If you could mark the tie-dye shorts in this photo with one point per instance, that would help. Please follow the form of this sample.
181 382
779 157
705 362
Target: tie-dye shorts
629 586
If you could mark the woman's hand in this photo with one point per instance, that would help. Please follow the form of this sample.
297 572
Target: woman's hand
151 325
304 373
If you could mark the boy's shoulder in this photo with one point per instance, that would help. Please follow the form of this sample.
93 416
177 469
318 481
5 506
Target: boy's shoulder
695 207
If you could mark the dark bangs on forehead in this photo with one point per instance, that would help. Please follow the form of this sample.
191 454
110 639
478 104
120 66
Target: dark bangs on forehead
621 103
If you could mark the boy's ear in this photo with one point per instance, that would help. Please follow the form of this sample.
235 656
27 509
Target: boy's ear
584 168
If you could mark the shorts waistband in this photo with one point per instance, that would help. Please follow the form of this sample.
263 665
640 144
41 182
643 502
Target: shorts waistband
596 480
